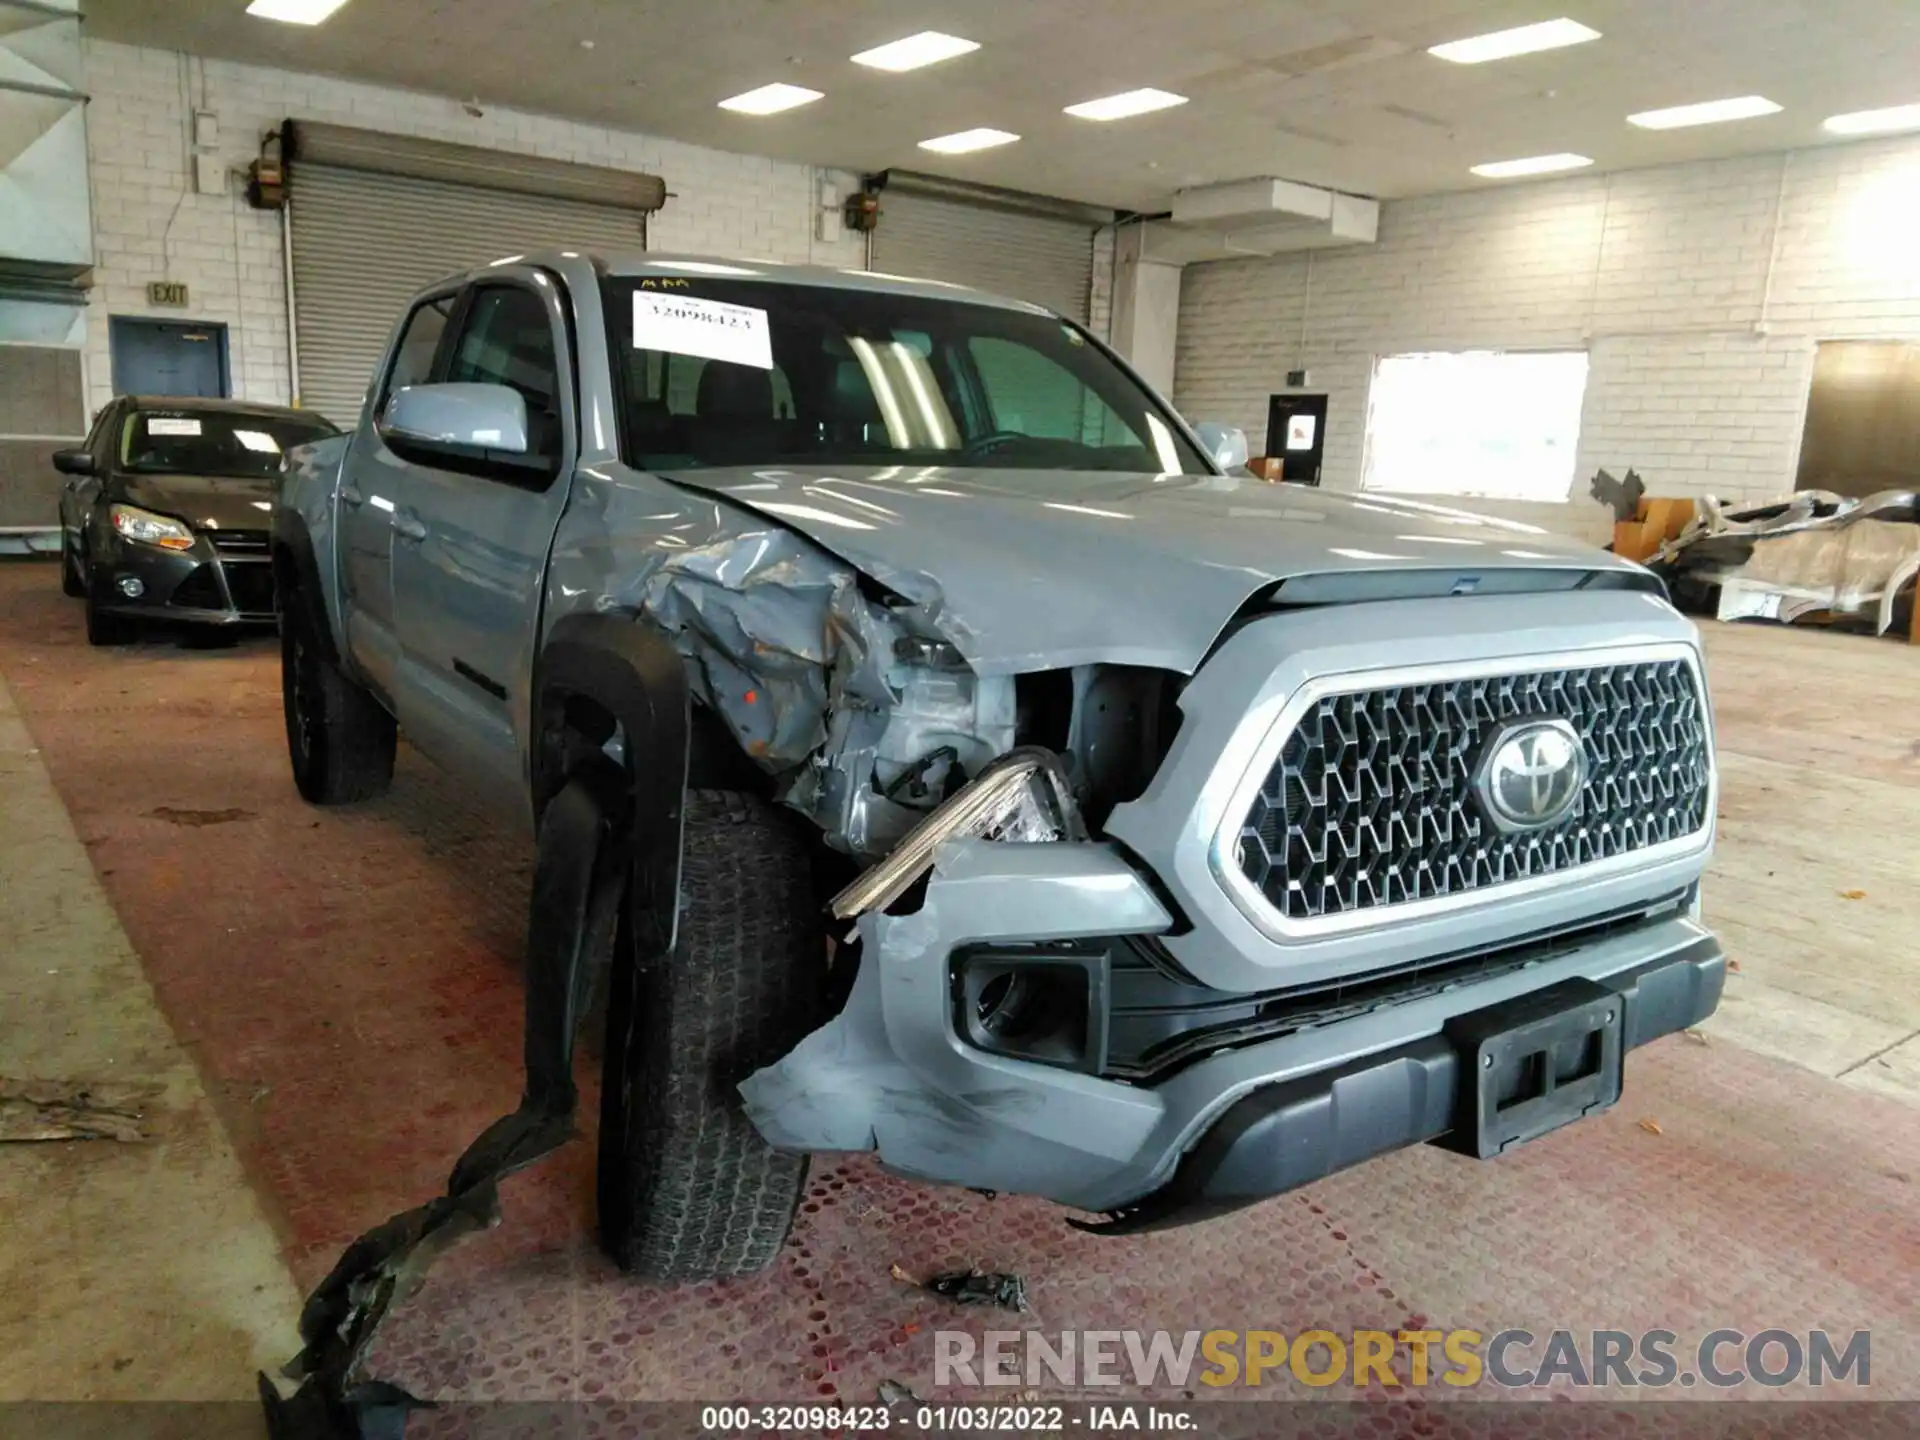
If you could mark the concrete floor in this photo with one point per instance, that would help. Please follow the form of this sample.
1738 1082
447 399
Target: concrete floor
331 998
127 1271
1816 879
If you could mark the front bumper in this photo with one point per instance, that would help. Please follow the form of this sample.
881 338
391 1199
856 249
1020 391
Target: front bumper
1293 1132
210 584
891 1074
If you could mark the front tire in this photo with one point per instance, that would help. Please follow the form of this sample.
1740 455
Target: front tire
688 1189
71 583
340 741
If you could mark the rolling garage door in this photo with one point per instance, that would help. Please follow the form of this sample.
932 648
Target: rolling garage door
1028 255
364 240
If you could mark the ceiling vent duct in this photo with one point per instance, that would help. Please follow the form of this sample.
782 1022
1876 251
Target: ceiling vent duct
1257 217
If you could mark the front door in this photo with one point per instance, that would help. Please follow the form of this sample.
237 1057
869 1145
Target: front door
1297 435
371 494
167 357
471 545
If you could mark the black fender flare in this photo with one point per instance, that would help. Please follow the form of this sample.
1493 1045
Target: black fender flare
296 569
631 671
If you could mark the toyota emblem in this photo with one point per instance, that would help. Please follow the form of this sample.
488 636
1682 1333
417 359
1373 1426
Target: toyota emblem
1531 774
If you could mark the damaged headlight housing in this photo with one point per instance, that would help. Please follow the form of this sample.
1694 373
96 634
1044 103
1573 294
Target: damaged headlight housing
1021 798
150 529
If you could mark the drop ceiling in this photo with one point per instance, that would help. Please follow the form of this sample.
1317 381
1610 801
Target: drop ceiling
1339 95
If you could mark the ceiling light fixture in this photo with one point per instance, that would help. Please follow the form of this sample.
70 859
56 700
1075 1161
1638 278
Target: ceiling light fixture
1532 165
1522 40
929 47
1874 122
964 142
770 99
1130 102
1707 112
295 12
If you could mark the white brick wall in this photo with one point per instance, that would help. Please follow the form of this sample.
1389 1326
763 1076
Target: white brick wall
148 225
1700 362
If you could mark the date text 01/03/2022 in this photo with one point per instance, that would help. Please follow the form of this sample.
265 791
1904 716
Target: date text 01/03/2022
1099 1418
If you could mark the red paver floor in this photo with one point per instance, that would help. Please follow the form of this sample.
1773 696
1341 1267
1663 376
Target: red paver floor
348 980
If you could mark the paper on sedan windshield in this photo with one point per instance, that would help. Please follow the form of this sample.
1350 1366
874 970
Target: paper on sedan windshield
171 425
710 329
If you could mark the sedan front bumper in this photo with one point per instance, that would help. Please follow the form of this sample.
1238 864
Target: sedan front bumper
225 579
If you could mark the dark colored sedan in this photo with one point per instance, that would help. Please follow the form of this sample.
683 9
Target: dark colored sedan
166 511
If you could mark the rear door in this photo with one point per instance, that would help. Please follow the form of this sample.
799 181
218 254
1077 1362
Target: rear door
372 488
471 544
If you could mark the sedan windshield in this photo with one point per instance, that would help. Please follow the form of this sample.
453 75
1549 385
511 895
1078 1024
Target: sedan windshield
213 442
740 372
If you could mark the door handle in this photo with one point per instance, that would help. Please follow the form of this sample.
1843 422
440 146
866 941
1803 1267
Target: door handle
408 527
350 495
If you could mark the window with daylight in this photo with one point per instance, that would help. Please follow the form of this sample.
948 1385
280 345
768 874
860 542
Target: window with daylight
1496 424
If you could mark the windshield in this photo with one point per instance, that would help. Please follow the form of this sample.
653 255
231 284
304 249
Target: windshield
213 442
731 372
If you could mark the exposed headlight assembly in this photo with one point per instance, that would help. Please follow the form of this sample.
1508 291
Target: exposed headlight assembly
1021 798
148 528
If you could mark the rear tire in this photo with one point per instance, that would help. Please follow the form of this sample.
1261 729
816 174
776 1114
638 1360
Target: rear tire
688 1189
102 628
340 740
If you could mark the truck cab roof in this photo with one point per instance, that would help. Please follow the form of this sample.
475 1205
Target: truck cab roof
642 264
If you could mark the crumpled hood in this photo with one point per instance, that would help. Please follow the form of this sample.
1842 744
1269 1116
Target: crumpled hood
1036 569
206 502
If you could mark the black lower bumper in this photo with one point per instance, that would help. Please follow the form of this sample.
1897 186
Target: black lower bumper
1283 1136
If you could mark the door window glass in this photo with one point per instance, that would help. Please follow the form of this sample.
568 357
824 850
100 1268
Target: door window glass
419 343
507 341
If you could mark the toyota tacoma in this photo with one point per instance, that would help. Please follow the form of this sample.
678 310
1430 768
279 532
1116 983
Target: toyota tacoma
935 747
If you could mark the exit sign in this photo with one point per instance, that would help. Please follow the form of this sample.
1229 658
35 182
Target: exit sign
166 292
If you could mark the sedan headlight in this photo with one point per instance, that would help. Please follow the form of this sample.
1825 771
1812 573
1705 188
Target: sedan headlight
1022 797
148 528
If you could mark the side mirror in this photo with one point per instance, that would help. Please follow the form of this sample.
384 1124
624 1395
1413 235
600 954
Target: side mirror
1227 444
458 417
74 462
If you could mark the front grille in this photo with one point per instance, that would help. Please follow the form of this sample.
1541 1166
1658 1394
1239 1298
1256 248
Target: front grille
240 542
1371 802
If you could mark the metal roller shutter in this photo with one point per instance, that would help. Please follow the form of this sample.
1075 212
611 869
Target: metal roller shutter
1030 257
364 242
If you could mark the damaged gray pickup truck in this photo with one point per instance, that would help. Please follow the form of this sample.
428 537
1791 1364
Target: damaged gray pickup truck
937 748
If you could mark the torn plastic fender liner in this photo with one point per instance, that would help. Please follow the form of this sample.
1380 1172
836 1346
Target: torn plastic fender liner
606 832
385 1265
888 1074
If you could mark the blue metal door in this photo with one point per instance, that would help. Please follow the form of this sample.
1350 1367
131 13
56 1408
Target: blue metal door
168 357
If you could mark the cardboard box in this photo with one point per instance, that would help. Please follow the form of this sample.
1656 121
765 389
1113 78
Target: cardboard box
1659 520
